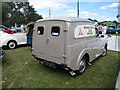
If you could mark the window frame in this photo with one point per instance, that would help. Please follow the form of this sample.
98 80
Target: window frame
39 30
52 31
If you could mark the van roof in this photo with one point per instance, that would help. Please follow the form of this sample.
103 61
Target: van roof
66 19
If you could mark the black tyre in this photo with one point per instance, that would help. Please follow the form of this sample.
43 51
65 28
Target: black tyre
104 51
82 67
11 44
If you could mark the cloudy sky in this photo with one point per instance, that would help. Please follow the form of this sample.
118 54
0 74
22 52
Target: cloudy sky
95 9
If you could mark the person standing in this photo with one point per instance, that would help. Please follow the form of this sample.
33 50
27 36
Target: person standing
104 29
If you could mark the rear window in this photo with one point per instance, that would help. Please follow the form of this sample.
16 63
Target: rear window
40 30
55 31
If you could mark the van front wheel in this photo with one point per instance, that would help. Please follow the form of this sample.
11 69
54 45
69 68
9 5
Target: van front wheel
104 51
82 66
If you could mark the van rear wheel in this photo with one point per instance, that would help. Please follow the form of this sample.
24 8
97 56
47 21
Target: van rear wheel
82 67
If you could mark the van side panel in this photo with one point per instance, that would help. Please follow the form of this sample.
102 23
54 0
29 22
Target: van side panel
76 48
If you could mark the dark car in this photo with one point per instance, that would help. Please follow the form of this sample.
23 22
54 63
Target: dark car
2 27
112 30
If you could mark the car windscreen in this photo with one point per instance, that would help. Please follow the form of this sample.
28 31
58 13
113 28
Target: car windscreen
3 28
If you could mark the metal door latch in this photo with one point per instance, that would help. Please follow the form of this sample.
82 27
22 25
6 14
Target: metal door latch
64 56
47 40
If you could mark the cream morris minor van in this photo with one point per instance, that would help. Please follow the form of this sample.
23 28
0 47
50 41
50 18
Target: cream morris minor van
69 42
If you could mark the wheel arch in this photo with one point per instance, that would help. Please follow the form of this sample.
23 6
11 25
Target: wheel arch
84 53
84 59
106 45
12 41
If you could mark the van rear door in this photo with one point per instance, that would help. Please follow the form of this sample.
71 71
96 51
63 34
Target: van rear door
39 43
49 41
55 41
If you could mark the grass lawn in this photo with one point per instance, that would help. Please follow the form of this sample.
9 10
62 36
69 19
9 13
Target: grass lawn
21 70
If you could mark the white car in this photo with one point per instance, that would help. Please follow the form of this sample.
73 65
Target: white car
11 38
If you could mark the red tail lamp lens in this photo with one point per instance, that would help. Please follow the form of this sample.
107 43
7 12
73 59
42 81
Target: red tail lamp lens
9 31
65 65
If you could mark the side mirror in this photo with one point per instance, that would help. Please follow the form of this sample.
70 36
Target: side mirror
100 32
109 36
97 34
102 36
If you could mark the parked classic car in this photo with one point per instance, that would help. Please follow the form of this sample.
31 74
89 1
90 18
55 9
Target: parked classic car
113 29
71 43
12 38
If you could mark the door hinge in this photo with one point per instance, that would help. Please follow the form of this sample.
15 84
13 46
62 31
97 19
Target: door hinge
65 31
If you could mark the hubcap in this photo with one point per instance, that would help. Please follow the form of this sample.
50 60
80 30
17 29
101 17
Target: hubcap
11 45
82 66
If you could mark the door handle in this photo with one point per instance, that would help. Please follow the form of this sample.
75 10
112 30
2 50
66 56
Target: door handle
47 40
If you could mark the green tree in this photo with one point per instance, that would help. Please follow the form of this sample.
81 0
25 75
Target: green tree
6 10
90 19
30 13
19 13
115 22
95 20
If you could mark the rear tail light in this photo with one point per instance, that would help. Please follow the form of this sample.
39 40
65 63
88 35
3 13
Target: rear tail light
65 65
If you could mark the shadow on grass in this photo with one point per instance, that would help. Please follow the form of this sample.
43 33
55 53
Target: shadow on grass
56 71
19 46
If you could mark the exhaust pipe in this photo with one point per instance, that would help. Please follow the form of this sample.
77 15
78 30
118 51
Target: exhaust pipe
42 62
